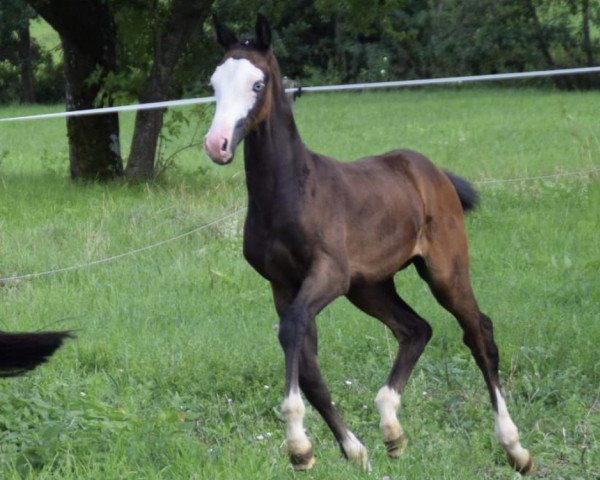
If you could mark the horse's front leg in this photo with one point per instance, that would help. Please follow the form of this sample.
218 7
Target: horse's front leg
292 330
297 335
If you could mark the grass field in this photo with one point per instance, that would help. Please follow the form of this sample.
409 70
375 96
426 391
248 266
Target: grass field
177 373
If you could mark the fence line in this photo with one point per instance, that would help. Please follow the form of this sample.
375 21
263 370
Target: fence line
578 173
29 276
452 80
104 110
322 88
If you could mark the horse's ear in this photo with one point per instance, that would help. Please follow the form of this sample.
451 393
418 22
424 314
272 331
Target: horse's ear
225 37
263 32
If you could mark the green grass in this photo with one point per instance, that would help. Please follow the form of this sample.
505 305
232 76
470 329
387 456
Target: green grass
46 37
176 371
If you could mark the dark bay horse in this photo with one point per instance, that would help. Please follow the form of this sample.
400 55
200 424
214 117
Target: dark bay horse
21 352
318 229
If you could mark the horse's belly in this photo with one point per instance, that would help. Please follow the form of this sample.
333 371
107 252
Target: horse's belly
377 258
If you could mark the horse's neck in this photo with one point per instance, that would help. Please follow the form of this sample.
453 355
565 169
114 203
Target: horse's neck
276 161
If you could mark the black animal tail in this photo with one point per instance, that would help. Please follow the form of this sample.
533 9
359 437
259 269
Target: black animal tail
469 198
20 352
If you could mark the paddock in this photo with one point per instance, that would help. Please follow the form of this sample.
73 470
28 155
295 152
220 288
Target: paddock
146 391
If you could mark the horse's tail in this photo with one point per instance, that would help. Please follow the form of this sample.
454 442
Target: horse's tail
20 352
469 198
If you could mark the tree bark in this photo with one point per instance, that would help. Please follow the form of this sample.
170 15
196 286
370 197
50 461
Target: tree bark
187 16
27 90
94 150
88 37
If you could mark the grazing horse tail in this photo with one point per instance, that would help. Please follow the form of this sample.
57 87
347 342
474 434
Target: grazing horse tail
469 198
20 352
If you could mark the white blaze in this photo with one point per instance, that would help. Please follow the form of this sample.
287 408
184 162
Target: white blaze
232 82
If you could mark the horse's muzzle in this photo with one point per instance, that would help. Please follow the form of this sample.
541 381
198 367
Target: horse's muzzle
218 149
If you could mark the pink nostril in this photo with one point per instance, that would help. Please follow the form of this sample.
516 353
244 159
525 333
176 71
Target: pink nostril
217 146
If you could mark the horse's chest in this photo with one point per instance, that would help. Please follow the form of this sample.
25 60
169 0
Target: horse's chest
278 254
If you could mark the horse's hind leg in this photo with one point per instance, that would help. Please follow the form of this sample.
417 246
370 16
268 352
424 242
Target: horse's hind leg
412 332
445 268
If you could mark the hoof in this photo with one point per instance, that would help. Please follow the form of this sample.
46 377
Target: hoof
362 462
302 461
396 447
523 465
355 452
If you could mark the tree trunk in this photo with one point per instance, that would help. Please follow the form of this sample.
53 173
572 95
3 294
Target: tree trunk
187 16
27 90
148 124
88 37
94 150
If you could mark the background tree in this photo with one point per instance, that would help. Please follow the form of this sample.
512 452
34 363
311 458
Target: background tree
119 48
120 51
172 27
88 37
16 52
352 41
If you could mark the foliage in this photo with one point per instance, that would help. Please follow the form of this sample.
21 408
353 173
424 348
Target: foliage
13 15
178 123
47 72
9 88
481 37
139 24
358 41
345 41
49 79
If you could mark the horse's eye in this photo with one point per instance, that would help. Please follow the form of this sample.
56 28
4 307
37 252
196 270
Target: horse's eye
258 86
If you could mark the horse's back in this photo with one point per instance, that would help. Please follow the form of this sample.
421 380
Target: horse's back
437 189
403 175
395 201
403 164
381 206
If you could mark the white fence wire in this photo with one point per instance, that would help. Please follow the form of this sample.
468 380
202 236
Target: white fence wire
321 88
29 276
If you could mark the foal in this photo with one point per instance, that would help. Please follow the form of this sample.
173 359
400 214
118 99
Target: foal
317 229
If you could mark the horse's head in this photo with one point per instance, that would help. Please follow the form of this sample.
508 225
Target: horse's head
243 84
